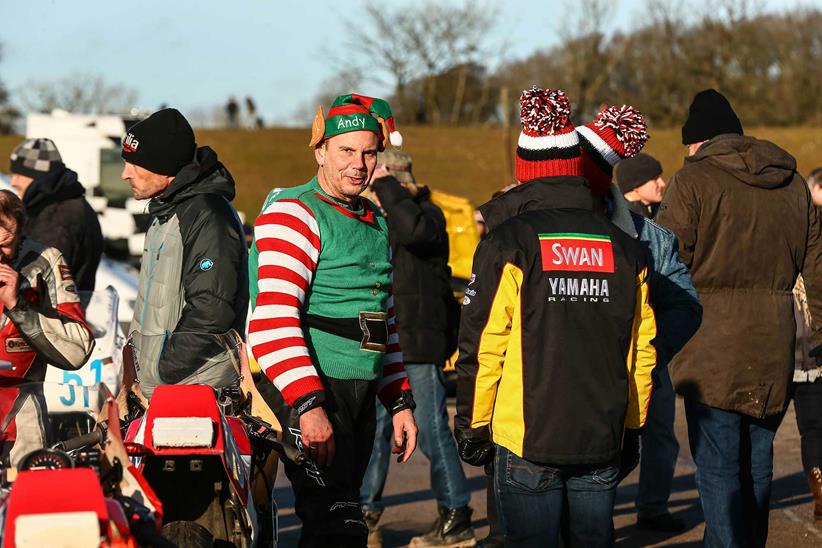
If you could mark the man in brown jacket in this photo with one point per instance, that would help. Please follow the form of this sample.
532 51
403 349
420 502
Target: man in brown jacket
746 227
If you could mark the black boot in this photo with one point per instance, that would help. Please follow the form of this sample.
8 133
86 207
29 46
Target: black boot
452 529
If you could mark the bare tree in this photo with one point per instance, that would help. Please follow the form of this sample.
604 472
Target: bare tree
79 93
414 45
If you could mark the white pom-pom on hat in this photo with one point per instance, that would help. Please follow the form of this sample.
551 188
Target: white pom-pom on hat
395 138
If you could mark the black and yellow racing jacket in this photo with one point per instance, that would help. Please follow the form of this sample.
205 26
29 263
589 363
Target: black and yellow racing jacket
555 348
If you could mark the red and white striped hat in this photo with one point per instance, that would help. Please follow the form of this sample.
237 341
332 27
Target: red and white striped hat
616 133
548 145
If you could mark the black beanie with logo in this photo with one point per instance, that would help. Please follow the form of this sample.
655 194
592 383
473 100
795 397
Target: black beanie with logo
163 143
709 115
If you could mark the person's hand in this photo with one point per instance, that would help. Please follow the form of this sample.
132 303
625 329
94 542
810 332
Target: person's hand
405 434
318 436
474 445
8 286
629 457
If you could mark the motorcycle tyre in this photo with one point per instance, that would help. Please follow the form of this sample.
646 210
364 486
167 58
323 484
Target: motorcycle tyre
188 534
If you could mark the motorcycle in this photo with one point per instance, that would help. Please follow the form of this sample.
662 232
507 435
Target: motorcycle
203 452
75 493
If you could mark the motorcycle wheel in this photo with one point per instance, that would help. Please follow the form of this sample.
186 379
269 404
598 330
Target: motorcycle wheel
187 534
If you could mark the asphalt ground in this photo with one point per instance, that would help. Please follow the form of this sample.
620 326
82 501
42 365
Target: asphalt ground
411 506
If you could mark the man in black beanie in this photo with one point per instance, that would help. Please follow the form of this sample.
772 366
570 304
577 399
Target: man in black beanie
746 227
193 292
640 180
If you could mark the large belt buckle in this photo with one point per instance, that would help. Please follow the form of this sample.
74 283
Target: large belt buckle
367 343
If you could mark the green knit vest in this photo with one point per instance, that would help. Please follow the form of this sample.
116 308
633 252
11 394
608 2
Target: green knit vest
353 275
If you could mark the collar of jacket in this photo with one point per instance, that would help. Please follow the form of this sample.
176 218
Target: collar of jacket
55 186
618 212
204 175
542 193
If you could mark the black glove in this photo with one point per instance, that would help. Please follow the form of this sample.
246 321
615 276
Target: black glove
629 458
817 353
474 445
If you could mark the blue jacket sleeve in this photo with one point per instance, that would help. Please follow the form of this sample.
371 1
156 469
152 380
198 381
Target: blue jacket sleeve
673 296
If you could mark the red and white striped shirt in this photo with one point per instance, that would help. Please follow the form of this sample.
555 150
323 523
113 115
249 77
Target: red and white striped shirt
287 237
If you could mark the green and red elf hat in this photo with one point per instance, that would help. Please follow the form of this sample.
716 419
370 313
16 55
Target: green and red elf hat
616 133
355 112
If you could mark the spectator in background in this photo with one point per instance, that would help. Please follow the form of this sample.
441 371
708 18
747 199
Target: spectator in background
640 180
746 227
807 385
620 133
424 302
58 214
251 113
232 113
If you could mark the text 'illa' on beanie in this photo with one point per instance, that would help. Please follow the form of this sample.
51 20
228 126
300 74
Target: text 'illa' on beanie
35 157
163 143
548 144
631 173
616 133
709 115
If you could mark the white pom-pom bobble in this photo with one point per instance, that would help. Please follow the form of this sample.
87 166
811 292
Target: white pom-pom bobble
395 138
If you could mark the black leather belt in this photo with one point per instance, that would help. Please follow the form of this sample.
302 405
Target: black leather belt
370 329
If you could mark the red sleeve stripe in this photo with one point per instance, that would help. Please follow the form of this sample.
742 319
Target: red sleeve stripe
296 389
289 221
287 248
278 272
282 299
264 324
286 261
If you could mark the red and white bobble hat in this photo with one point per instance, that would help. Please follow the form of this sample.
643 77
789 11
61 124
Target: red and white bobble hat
548 145
616 133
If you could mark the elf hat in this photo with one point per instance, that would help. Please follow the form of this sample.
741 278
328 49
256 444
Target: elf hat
548 145
356 113
616 133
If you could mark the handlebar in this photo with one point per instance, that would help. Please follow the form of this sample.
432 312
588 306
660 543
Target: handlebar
97 436
265 436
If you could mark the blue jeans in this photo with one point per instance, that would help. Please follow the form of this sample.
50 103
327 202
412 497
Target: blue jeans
659 448
435 441
531 498
734 461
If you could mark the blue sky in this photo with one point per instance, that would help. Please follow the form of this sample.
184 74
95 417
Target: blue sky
194 54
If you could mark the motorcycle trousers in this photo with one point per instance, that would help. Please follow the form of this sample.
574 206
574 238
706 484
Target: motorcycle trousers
327 500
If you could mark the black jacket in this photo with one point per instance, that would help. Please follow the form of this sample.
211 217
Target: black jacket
419 243
212 265
59 216
555 339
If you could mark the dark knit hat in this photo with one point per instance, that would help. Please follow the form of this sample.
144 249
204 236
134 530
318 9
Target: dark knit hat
548 145
35 157
709 115
616 133
631 173
163 143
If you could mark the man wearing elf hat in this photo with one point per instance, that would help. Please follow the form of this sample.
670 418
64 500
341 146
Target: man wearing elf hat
555 345
322 326
615 136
